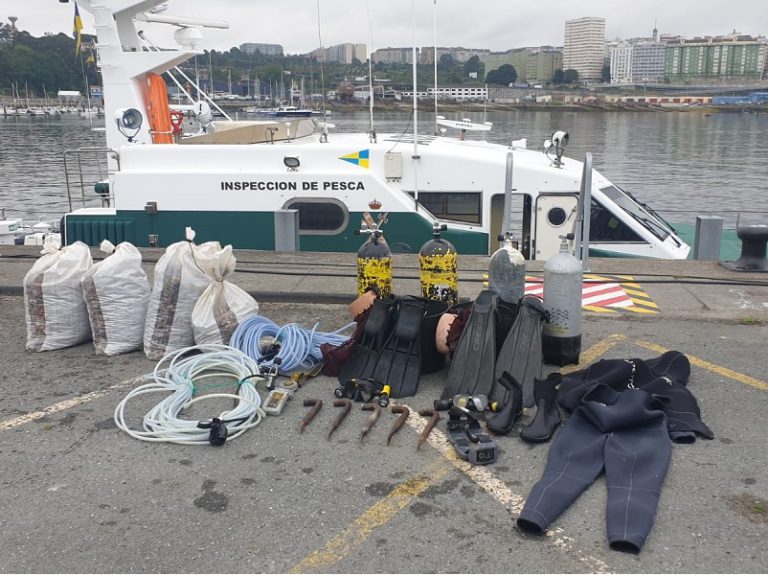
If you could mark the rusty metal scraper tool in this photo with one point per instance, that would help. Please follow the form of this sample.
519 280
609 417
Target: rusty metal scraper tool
372 419
316 405
434 418
347 405
404 413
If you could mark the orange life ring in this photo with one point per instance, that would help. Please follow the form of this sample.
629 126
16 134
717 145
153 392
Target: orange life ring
159 113
177 119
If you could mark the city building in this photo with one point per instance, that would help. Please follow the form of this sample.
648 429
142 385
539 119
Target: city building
459 55
394 56
541 65
265 49
517 58
716 58
637 61
584 48
459 93
342 53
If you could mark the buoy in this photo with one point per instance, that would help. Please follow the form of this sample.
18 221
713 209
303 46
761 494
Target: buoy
438 271
561 338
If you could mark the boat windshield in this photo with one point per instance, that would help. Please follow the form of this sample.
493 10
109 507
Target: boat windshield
641 213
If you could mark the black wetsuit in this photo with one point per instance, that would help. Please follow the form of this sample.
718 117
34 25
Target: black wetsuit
621 433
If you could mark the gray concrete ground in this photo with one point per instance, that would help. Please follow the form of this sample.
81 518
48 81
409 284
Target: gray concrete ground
78 495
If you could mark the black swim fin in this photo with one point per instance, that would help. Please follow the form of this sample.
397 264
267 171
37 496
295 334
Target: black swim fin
520 353
378 325
410 348
473 366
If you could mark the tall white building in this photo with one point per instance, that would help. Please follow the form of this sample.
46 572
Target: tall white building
584 48
638 61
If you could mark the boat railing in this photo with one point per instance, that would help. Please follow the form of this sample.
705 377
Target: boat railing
84 169
731 218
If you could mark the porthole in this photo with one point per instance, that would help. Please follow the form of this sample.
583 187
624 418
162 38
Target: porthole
556 216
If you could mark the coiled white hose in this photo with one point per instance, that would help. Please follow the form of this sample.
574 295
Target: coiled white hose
299 346
181 374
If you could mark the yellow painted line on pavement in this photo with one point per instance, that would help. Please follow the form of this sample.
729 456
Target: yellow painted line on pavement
484 478
64 405
713 367
595 352
343 544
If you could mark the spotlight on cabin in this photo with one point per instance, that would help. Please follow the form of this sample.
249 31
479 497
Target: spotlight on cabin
556 144
292 163
128 122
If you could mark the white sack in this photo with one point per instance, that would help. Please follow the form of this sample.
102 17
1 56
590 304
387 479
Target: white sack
223 305
117 293
179 282
54 307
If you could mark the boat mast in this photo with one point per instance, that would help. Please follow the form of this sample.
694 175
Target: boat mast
435 59
415 156
371 131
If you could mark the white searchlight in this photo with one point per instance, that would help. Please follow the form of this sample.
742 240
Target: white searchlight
128 122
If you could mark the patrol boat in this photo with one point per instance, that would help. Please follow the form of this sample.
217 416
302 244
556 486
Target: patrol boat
173 166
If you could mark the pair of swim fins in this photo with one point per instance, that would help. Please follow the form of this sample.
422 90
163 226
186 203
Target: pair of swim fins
476 368
397 344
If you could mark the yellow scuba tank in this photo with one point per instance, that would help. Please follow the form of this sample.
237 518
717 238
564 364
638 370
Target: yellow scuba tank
438 269
374 259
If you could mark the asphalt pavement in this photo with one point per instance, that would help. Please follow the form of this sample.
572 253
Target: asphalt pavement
79 495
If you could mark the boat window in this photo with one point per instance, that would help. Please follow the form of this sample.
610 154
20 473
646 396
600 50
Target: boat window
320 216
606 227
457 206
641 213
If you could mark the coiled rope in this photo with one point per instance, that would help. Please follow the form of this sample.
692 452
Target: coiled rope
182 375
299 347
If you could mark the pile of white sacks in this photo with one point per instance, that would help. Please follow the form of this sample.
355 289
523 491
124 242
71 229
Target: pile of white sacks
69 300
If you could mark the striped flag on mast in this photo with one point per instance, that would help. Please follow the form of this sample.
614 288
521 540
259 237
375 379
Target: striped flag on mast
77 28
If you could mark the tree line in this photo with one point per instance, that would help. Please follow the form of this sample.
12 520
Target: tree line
49 63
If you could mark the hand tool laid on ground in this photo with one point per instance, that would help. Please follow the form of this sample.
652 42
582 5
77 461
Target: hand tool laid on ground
316 405
404 413
372 419
347 405
434 418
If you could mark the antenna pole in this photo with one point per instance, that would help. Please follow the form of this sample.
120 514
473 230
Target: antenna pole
435 59
370 70
415 113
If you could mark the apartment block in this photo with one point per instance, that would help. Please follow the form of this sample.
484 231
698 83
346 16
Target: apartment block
715 58
342 53
459 55
517 57
542 63
584 48
265 49
637 61
394 56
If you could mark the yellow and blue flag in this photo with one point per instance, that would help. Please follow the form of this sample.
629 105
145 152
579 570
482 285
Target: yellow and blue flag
77 29
358 158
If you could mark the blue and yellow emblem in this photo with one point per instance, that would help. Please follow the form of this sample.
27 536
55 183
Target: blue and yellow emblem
358 158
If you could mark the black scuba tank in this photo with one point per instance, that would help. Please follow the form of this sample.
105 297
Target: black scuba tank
438 269
374 265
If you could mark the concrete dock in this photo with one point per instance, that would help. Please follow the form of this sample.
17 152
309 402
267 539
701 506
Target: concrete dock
79 495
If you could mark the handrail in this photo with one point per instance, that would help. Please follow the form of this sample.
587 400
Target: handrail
78 154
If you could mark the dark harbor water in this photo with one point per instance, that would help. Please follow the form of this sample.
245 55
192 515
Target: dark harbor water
680 163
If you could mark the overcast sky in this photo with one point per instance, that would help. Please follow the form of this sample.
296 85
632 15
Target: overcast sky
494 24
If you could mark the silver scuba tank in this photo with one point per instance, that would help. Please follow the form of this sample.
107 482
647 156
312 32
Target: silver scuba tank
506 271
561 339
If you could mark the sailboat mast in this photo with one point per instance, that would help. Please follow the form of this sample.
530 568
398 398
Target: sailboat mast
435 61
415 113
370 72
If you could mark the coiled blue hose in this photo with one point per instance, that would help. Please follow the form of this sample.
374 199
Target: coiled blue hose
299 346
